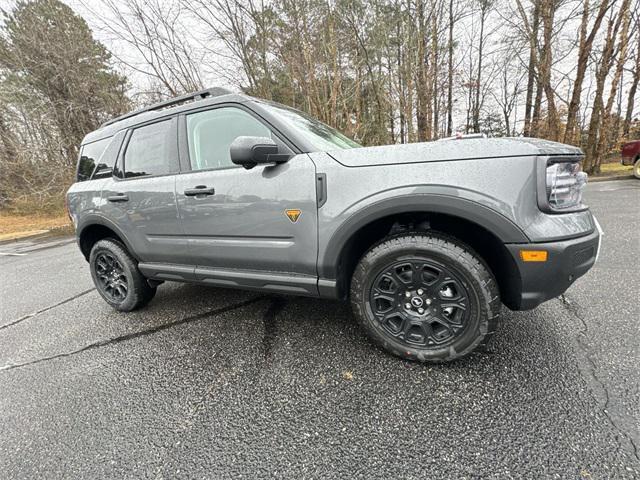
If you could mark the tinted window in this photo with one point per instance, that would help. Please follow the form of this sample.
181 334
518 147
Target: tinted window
90 154
210 134
150 150
106 164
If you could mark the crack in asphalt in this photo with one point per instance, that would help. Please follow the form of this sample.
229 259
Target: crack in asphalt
270 325
132 336
573 310
45 309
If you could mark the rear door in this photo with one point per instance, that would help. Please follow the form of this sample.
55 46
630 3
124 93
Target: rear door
253 221
140 197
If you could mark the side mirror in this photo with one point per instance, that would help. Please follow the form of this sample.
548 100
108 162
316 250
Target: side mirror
252 151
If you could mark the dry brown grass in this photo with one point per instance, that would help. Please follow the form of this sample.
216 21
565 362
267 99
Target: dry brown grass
614 168
17 226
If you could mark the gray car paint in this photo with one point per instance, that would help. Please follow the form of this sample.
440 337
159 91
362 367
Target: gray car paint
244 225
241 236
451 150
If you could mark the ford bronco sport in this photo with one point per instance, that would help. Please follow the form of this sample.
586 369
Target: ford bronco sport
426 240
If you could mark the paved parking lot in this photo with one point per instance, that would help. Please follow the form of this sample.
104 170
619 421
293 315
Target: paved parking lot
209 383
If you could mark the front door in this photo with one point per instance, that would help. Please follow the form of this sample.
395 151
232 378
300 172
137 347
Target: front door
246 225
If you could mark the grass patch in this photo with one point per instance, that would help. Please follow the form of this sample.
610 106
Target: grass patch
614 169
17 226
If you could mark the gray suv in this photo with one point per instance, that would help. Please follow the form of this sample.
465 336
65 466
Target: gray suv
426 240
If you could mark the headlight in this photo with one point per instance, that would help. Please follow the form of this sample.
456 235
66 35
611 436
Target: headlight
564 181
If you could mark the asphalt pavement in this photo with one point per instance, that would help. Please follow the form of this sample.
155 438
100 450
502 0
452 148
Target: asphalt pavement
212 383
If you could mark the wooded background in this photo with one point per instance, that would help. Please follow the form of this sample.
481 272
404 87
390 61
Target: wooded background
382 71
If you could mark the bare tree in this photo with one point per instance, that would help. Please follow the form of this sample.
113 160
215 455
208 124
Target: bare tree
634 83
585 46
153 29
484 9
604 65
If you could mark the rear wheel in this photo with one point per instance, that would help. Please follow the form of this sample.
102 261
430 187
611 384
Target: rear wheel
117 278
426 297
636 168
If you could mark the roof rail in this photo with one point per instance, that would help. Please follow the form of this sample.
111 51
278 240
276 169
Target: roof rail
200 95
462 136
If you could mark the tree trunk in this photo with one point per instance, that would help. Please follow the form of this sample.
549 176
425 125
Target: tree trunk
632 91
584 51
434 73
606 126
476 109
531 72
537 107
450 73
604 66
548 10
422 81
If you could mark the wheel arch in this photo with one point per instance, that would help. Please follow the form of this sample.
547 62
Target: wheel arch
96 228
483 229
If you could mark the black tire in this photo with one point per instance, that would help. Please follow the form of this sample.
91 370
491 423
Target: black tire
459 315
120 284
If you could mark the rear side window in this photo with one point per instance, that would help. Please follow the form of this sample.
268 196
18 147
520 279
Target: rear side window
90 157
151 151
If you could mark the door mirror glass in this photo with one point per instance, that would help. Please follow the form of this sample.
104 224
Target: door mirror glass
252 151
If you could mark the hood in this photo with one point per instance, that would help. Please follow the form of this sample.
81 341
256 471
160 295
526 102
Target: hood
451 150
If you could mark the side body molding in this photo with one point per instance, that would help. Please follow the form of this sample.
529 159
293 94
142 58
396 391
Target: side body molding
496 223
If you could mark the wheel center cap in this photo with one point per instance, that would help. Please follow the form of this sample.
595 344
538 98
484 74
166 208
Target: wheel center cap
417 302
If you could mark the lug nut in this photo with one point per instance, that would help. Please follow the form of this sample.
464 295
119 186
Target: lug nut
408 305
428 301
421 310
420 291
407 294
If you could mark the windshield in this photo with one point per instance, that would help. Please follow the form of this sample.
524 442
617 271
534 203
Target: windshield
321 136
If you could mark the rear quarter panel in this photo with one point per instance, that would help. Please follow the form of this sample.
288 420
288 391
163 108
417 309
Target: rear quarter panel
84 199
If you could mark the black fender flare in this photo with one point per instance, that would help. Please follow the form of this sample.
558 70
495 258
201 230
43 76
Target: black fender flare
496 223
92 219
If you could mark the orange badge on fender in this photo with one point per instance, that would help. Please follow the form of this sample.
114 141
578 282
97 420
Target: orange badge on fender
293 214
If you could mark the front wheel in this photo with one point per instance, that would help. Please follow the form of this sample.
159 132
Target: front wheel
117 278
425 297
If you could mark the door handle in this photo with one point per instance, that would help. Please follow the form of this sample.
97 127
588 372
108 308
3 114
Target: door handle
120 197
199 190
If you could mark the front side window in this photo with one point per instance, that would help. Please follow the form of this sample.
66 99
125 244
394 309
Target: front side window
149 151
210 134
90 157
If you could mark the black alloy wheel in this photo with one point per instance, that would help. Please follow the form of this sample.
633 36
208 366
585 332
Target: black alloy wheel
117 277
113 281
425 296
419 302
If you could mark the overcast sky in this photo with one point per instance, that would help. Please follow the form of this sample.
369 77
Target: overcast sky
465 31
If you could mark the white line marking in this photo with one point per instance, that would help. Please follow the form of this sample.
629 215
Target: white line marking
13 254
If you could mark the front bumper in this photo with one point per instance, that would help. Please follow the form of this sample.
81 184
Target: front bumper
567 261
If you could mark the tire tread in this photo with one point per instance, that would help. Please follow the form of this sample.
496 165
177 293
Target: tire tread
139 292
448 245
